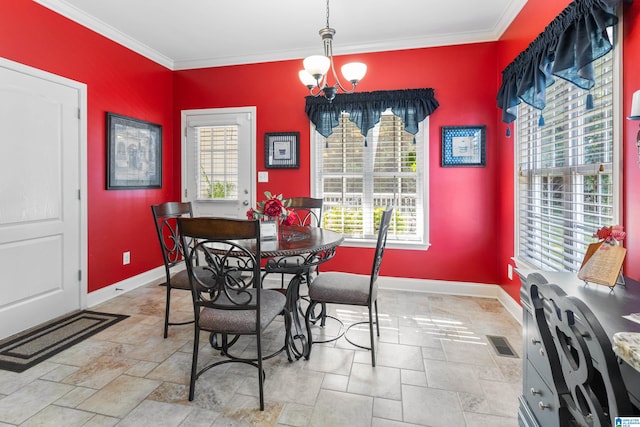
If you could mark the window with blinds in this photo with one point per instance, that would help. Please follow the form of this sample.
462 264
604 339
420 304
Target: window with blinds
565 173
218 162
357 181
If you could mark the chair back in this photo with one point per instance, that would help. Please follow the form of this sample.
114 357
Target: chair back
308 210
383 230
588 384
165 217
229 250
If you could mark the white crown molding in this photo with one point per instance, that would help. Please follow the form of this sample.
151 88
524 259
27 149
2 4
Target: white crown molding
65 9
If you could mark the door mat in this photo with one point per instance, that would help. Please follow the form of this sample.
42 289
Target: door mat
32 347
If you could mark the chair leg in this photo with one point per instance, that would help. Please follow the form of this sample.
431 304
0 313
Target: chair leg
194 362
260 371
373 350
166 310
375 303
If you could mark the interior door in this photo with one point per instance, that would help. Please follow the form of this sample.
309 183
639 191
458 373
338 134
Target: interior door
218 163
40 187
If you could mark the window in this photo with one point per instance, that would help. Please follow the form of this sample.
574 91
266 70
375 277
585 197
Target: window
358 181
566 171
218 162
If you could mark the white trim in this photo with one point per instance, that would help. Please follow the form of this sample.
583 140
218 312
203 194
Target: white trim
81 17
105 294
479 290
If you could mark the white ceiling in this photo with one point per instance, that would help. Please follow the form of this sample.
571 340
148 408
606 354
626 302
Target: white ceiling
184 34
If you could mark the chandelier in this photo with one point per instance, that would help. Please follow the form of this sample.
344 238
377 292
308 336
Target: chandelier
315 75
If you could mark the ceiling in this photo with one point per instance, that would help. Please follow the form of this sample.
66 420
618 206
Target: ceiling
185 34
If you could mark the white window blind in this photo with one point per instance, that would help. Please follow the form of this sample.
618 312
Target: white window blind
357 182
565 189
217 162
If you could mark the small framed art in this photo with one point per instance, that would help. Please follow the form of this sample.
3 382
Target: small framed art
282 150
134 153
463 146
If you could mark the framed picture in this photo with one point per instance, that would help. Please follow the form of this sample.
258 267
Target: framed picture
282 150
134 153
463 146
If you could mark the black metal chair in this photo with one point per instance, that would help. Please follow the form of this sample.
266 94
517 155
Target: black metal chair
165 217
352 289
588 384
308 210
229 299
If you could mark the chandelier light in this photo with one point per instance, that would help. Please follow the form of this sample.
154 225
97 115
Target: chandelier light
315 75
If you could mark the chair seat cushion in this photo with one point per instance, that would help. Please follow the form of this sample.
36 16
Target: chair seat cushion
341 288
180 280
243 321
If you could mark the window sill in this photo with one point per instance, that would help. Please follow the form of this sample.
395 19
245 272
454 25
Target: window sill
391 244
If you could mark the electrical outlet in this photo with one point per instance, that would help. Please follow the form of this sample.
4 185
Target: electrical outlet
126 258
510 271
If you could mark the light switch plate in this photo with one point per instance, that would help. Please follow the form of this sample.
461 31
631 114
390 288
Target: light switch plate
263 176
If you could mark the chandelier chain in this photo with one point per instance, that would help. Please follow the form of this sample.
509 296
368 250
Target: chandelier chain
328 14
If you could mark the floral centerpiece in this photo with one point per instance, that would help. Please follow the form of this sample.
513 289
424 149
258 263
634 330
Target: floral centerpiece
611 234
273 207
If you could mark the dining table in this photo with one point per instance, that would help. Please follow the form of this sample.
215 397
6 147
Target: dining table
298 251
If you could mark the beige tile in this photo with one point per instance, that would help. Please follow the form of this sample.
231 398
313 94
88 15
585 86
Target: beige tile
30 399
120 396
452 376
335 382
431 407
55 416
99 372
380 381
75 397
330 360
342 409
157 414
295 415
483 420
387 409
101 421
395 356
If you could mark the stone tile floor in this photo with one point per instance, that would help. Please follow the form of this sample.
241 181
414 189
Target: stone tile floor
435 367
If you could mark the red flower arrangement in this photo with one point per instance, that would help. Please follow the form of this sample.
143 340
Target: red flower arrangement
611 234
273 207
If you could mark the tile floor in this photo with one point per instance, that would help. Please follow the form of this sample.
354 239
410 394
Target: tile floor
435 368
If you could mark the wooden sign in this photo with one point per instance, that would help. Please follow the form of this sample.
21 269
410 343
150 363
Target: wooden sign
602 264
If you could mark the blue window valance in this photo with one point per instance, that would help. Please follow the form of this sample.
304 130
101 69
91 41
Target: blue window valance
565 49
365 109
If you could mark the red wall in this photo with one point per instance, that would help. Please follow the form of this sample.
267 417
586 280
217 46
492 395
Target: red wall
471 209
119 81
462 200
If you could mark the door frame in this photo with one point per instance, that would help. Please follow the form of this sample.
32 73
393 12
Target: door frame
184 114
81 89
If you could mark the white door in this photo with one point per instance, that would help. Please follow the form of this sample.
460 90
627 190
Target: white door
218 160
40 188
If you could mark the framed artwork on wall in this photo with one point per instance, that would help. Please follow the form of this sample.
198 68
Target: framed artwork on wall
463 146
134 153
282 150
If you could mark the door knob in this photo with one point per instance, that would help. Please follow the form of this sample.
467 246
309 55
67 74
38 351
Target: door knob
245 203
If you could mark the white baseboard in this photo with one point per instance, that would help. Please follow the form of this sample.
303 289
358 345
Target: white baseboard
104 294
481 290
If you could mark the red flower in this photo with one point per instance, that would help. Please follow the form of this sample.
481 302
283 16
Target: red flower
290 219
273 207
603 233
250 213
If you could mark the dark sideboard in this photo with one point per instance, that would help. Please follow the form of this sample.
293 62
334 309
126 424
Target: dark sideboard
541 404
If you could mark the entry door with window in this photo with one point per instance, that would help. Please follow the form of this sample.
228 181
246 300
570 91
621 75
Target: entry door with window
219 161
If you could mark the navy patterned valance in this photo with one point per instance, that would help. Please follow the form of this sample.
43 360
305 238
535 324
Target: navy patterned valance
566 49
365 109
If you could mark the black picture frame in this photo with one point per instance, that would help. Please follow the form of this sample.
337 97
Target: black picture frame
282 150
134 153
464 146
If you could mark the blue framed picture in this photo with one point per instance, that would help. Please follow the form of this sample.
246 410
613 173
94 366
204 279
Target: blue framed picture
463 146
